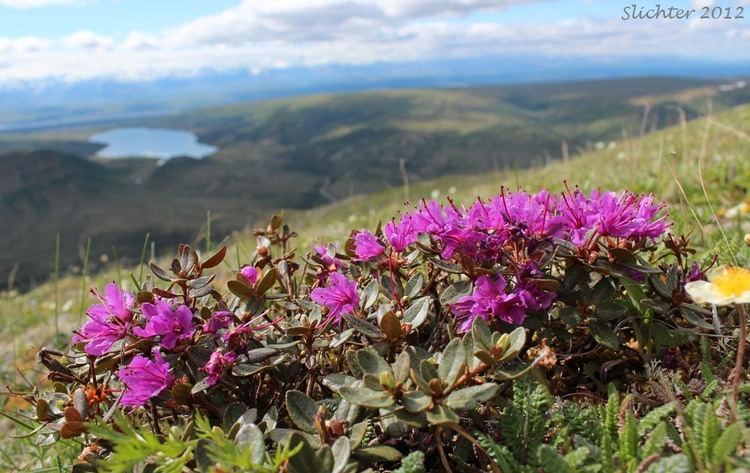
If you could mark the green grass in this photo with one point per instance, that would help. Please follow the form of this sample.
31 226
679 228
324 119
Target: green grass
716 148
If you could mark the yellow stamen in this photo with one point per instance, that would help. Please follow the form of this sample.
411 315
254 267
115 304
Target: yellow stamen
733 281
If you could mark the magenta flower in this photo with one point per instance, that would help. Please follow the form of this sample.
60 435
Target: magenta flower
432 218
628 215
695 273
650 221
489 301
108 321
327 254
401 234
609 214
172 325
340 297
614 217
250 273
238 336
531 215
578 215
216 365
144 379
534 298
218 321
366 246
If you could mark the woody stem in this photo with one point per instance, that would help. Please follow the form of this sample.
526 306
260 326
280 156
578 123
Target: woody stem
441 451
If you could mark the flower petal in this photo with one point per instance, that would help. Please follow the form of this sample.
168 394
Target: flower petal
704 292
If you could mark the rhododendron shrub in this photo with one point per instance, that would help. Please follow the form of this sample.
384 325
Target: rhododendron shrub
403 338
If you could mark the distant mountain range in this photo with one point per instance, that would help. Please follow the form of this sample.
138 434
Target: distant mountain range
49 104
302 152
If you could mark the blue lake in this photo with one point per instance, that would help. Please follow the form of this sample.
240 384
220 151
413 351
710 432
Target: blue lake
157 143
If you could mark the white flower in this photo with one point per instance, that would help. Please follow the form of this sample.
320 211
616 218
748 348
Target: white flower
738 210
725 285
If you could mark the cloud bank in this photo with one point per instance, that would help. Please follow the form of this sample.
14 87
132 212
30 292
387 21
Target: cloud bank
258 36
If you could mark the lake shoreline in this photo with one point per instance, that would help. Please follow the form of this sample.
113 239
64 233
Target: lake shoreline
151 143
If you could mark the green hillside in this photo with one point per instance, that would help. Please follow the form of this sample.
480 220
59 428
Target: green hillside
666 163
300 153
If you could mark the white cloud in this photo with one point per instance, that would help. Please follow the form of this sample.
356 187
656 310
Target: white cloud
259 35
87 41
137 41
317 20
26 4
24 44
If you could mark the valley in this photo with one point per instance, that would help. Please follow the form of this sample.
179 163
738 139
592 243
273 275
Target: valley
304 152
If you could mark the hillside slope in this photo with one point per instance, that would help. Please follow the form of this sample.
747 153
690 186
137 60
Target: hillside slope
348 144
300 153
719 145
669 163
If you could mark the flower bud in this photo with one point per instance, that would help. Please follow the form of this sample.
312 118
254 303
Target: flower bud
387 380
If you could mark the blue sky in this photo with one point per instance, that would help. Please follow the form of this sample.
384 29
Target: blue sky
141 40
108 17
119 17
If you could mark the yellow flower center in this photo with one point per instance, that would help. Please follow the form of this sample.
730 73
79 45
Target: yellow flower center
733 281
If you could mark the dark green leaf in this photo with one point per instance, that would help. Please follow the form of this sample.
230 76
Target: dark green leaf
370 294
452 362
366 397
414 286
467 398
301 410
602 292
336 381
416 401
247 369
341 450
665 336
604 335
378 454
239 289
260 354
446 266
371 362
364 327
267 281
454 291
441 415
417 313
611 310
695 318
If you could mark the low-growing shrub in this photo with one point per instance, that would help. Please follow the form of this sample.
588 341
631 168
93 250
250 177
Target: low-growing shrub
494 337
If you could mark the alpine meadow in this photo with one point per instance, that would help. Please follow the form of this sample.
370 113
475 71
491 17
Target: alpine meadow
374 236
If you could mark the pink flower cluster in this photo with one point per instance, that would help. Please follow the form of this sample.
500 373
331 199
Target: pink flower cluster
117 318
502 239
481 230
340 297
511 226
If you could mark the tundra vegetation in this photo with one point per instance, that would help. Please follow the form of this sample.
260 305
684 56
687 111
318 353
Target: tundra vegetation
538 330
